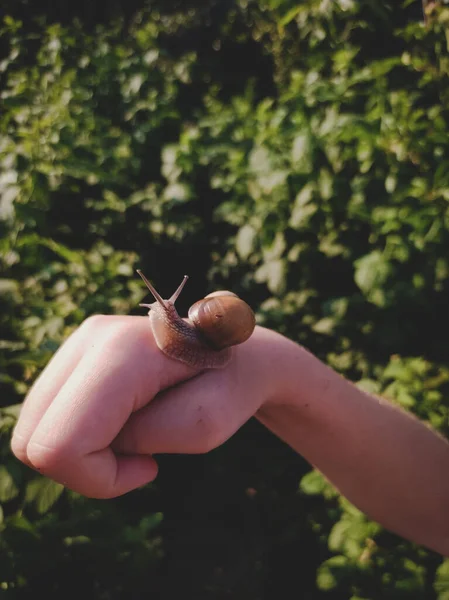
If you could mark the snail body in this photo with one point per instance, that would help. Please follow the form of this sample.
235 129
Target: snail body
216 323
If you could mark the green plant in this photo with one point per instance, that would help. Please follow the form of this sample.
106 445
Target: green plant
313 180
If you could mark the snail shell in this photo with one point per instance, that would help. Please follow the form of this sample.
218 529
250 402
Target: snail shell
216 323
223 319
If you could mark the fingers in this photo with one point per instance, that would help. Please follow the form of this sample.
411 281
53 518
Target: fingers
201 414
101 474
83 401
55 374
47 386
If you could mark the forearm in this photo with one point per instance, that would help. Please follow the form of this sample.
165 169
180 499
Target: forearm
386 462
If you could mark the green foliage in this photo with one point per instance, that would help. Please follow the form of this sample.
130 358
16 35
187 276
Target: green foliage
295 152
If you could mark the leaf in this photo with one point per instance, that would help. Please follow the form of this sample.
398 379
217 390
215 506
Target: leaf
273 273
9 415
20 522
272 180
61 250
7 198
331 572
291 14
338 535
302 154
404 398
346 4
260 161
276 249
313 483
369 385
441 583
371 273
391 183
324 326
43 493
150 522
8 487
245 239
178 192
9 288
303 207
325 184
78 540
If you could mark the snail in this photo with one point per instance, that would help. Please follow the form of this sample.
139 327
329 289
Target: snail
215 324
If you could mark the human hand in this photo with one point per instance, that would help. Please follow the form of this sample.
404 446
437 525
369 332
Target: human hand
96 415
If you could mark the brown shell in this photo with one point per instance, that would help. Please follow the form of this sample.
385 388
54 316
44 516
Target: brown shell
221 293
223 319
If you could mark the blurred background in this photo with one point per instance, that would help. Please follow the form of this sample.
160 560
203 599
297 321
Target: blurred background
294 152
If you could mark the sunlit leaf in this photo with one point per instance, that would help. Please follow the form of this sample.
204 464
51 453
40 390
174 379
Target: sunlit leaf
43 493
8 487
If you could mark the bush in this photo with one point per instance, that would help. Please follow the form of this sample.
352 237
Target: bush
295 153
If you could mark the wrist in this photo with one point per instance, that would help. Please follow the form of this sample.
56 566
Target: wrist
291 384
299 378
306 394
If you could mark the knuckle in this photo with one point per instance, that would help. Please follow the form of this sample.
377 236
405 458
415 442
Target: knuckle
126 337
19 447
94 323
113 332
46 459
107 332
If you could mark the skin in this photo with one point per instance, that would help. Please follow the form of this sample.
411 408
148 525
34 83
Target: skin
110 400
